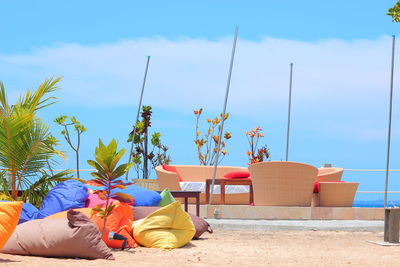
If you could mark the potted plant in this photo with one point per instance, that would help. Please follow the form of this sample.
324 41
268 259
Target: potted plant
107 176
256 154
148 151
209 141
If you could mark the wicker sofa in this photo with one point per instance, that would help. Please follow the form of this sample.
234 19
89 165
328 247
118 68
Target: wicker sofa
195 173
274 183
329 174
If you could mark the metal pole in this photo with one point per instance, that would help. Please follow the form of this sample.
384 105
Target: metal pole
223 113
138 113
289 109
390 122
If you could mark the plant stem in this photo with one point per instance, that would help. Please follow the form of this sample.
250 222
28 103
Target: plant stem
145 163
77 153
77 163
106 208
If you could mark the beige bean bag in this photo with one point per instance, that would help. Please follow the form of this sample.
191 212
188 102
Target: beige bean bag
73 237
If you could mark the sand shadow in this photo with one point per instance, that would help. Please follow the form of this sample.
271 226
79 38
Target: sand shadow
130 250
188 246
7 261
201 238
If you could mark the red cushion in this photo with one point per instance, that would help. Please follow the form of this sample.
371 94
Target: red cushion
316 185
172 169
235 175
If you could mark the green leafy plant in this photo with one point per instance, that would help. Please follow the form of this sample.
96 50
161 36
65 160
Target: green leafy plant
26 145
66 122
256 154
145 157
106 176
394 12
210 140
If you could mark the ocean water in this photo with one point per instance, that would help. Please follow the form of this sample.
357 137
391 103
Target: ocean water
378 203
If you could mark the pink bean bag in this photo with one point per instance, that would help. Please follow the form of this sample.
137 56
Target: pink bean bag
94 200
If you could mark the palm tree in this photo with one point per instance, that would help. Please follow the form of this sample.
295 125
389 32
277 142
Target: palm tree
26 144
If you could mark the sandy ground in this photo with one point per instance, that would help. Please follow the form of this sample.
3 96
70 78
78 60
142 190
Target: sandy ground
248 248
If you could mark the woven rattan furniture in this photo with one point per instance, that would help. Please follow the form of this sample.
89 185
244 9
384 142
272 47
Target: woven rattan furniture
282 183
333 194
329 174
195 173
223 183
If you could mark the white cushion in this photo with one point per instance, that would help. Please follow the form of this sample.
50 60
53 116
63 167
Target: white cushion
201 186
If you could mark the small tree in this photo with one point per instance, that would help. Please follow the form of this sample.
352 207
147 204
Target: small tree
27 145
147 157
210 140
106 176
256 154
78 128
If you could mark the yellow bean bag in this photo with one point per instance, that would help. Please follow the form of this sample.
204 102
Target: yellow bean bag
167 228
9 216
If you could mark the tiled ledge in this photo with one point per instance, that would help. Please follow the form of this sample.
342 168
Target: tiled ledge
291 213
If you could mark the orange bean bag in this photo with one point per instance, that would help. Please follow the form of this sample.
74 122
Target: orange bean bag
9 216
63 214
120 222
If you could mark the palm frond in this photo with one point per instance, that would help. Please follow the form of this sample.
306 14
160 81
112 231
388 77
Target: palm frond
26 144
33 101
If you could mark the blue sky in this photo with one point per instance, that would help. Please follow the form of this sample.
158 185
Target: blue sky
340 50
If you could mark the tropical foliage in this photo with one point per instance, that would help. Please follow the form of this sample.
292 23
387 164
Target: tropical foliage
394 12
146 157
66 122
106 176
256 154
27 146
209 141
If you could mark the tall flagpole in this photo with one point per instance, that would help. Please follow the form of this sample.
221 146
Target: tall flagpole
223 113
138 113
390 122
289 110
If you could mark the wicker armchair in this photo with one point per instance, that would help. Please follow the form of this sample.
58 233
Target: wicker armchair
331 194
337 194
281 183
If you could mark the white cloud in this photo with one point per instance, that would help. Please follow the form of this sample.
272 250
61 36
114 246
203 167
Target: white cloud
335 81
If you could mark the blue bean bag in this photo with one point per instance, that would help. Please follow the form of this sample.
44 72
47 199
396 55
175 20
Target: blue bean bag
141 196
70 194
28 212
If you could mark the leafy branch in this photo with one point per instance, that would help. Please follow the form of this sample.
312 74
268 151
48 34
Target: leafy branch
394 12
210 140
147 157
256 154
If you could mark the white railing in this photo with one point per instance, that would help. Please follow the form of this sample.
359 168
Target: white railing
346 170
373 170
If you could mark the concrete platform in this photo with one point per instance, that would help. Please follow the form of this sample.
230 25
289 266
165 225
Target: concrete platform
295 225
288 213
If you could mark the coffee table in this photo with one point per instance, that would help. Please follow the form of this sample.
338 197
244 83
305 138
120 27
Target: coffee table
223 183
